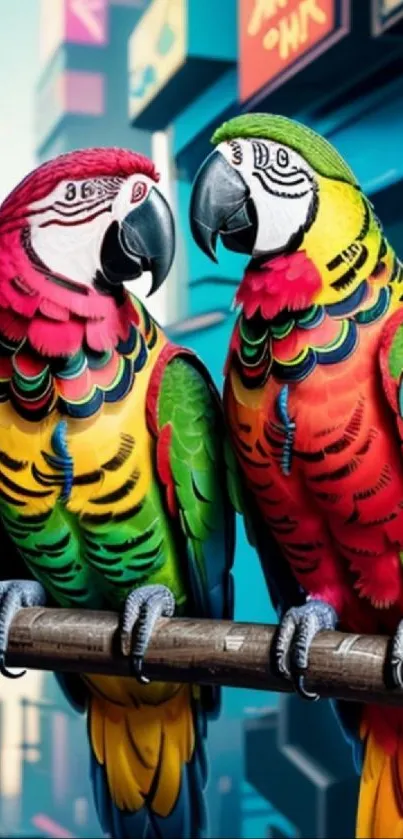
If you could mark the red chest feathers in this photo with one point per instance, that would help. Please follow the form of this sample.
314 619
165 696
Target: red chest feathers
322 459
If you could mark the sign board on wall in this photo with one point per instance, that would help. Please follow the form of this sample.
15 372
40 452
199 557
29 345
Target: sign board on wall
385 13
72 21
279 37
86 21
157 49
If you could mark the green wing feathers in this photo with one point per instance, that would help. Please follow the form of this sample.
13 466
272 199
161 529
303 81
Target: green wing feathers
50 547
191 463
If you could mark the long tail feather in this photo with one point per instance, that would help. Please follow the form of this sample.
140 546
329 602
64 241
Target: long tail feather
380 808
149 767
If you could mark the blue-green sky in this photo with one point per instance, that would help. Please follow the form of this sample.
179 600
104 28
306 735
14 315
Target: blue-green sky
19 26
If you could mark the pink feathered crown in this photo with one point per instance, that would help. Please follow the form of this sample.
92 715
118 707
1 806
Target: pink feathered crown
56 320
75 165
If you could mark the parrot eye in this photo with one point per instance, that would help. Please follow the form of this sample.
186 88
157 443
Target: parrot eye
283 158
139 192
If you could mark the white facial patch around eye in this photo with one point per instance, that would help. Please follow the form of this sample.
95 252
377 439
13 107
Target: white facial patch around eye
69 223
282 186
73 202
282 168
133 193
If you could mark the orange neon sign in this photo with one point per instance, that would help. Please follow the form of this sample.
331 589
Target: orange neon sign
276 34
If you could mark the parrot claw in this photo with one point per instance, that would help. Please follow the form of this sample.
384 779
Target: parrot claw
16 595
300 688
295 634
143 607
137 667
396 658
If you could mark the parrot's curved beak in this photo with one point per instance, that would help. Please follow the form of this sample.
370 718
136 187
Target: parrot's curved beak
147 235
221 205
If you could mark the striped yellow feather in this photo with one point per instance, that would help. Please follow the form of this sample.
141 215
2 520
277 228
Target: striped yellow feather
91 442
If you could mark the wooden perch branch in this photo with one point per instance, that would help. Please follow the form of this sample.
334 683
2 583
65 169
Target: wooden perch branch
201 651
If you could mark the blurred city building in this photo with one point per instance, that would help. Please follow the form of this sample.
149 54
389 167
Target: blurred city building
56 795
295 757
51 795
159 76
82 87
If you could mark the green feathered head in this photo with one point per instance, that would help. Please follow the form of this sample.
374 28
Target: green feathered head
273 186
323 158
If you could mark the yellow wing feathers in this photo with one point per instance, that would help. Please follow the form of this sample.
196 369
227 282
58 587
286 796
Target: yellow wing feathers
22 461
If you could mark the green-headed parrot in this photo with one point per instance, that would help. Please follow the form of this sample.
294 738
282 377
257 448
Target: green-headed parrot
314 401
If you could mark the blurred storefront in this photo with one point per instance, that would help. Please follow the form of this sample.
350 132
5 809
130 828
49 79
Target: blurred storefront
337 66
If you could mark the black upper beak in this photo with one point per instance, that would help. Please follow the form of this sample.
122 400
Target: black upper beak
147 235
221 204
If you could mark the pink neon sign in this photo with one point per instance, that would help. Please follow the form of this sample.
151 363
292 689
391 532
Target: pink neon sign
86 21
